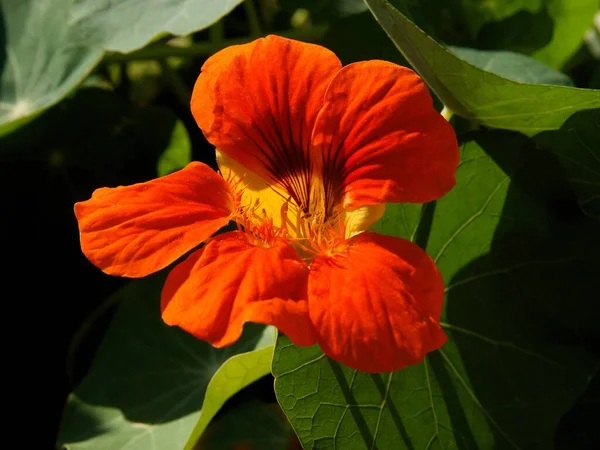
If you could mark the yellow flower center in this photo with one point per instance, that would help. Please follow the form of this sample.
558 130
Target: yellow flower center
307 211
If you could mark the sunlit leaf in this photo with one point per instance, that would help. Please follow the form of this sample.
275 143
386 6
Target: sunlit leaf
478 94
505 377
571 19
148 382
239 371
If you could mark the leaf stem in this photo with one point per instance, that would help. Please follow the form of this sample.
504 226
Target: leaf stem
447 113
216 33
162 51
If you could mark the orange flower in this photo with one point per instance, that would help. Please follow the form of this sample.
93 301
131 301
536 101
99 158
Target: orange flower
309 153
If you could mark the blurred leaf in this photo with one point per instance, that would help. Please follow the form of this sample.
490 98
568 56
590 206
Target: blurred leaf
513 66
148 381
478 94
252 426
478 13
178 152
44 58
571 20
523 32
371 43
49 46
505 377
324 10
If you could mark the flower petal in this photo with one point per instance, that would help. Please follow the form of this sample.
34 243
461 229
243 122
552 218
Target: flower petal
258 102
382 140
229 282
376 306
135 230
361 218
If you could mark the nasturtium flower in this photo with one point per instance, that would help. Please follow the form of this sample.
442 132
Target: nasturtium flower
309 153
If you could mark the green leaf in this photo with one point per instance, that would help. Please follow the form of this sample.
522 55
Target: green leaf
478 94
577 145
506 376
238 372
50 46
513 66
45 59
110 23
148 381
178 152
571 20
478 13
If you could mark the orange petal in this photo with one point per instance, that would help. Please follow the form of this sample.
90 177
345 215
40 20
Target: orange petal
230 282
258 102
135 230
376 305
382 140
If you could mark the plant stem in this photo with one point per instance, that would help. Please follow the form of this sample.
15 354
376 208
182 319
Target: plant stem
217 33
253 22
180 89
447 113
162 51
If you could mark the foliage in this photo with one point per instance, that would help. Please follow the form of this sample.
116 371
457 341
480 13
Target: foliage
96 93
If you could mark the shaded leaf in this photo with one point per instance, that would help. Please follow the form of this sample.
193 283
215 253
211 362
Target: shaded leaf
506 375
478 94
251 425
577 145
148 381
523 32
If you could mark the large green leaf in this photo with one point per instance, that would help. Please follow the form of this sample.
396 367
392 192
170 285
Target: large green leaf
475 93
505 377
127 26
148 381
49 46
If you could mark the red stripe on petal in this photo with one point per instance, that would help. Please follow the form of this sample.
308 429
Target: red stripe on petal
230 282
376 305
381 139
258 103
136 230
